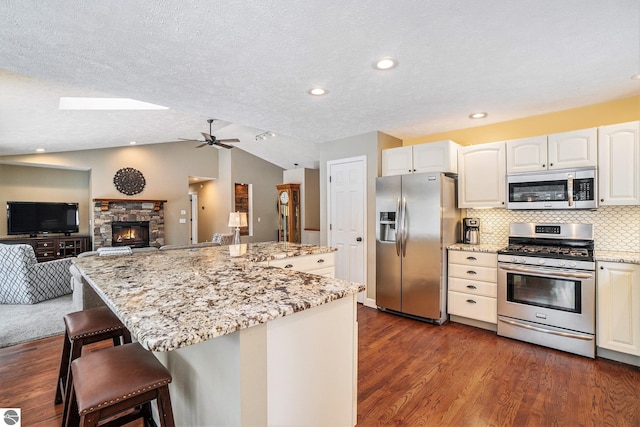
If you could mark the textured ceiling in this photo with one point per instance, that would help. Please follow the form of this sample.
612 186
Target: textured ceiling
252 63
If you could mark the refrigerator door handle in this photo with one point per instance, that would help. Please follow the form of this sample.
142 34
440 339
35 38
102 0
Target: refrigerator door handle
398 227
404 226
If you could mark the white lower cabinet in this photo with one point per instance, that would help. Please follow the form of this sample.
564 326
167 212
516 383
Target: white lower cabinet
320 264
473 286
618 307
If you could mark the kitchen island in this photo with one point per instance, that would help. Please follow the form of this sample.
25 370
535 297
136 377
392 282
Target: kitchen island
246 344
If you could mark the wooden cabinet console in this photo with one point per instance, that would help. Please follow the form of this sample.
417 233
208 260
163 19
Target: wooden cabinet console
52 247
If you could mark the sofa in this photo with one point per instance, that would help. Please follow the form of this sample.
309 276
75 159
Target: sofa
23 280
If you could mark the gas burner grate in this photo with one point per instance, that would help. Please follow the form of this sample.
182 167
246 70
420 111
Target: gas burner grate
547 251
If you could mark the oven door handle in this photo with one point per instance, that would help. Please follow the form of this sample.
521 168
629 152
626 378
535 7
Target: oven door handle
570 189
547 331
554 273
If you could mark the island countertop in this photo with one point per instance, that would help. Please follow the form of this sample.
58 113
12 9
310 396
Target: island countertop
176 298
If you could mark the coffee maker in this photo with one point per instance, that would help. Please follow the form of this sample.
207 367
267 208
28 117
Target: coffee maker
471 231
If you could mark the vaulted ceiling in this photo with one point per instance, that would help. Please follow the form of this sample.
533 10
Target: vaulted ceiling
251 65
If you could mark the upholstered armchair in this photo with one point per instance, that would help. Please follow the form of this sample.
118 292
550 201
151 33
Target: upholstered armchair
25 281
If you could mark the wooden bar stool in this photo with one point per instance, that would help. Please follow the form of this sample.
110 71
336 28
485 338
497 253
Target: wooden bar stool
82 328
118 383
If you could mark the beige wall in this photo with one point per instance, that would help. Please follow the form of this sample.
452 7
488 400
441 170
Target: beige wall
39 184
237 166
166 168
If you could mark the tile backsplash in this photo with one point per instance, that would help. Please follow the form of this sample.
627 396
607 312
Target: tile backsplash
616 228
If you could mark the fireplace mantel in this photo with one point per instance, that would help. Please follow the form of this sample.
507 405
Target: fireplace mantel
104 203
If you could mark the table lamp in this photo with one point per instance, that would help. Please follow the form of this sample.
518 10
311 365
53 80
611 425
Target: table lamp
237 220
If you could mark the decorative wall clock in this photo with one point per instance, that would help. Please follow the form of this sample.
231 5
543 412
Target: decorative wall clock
129 181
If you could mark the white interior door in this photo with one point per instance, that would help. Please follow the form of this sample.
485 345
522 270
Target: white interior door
193 197
346 219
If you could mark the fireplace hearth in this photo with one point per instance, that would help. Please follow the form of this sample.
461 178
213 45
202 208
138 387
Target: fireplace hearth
134 234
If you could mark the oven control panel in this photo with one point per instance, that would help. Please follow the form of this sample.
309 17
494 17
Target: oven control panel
548 229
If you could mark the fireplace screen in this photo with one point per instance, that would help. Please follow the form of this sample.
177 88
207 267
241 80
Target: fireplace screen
134 234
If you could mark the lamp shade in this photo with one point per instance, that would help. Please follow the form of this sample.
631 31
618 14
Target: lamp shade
238 219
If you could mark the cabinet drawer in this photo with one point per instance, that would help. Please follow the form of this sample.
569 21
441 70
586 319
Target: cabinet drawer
473 307
45 244
483 259
484 274
474 287
46 254
325 272
305 263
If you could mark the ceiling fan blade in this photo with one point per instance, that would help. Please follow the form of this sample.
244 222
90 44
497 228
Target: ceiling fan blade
185 139
229 140
202 145
218 143
207 137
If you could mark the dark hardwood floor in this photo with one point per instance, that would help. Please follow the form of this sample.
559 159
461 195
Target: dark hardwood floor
414 374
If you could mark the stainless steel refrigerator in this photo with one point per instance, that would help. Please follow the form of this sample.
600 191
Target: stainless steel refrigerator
416 219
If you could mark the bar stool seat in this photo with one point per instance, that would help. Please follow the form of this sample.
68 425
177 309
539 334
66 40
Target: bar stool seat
119 381
82 328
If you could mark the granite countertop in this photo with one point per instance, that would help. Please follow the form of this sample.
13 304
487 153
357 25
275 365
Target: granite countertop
475 248
175 298
618 256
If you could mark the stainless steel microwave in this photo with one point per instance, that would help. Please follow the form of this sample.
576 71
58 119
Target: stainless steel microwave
561 189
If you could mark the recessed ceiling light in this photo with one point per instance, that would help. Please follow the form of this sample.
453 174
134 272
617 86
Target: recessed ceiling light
385 64
133 142
478 115
78 103
635 77
40 150
318 91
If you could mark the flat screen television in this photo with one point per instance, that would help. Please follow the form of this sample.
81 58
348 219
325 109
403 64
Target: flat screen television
42 217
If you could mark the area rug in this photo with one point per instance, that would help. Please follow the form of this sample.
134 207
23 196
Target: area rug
21 323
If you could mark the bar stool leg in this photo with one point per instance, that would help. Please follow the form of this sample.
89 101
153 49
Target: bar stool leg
165 412
64 367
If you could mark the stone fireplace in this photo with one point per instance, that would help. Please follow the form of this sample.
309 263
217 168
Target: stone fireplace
107 212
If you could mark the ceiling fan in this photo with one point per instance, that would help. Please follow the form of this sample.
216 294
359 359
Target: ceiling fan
211 139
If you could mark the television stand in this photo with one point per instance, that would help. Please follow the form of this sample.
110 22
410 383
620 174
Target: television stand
48 248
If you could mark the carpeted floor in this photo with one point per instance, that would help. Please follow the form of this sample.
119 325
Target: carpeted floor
21 323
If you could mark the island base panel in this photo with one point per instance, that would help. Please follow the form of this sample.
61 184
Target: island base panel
298 369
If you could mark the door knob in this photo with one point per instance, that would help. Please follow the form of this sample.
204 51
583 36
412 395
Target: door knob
359 239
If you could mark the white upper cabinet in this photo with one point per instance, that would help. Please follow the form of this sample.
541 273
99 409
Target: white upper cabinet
527 154
575 149
481 176
438 156
619 164
397 161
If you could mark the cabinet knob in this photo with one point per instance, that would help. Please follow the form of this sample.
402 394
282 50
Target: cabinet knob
320 261
601 200
358 239
550 164
543 165
288 266
45 244
601 268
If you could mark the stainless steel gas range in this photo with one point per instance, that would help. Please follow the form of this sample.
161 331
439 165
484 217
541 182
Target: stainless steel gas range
546 286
